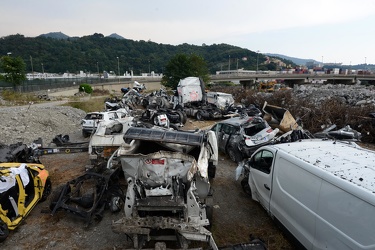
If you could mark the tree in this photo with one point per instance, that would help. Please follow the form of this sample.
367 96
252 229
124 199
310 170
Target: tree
13 69
182 66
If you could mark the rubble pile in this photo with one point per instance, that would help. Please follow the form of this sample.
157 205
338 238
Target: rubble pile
26 124
353 95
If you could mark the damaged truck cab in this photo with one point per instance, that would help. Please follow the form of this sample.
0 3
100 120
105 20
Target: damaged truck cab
169 193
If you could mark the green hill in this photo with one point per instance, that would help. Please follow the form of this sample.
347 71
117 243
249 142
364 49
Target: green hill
60 53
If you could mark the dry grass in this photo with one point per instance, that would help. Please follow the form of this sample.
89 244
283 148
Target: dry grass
90 105
17 98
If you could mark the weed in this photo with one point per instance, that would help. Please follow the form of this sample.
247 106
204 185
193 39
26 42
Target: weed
17 98
91 105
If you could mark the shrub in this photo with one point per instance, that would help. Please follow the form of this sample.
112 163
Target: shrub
84 87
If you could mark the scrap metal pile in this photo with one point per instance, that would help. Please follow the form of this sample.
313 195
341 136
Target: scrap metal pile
167 171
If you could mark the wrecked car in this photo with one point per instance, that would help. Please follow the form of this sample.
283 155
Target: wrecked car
22 186
89 195
345 133
174 116
107 138
20 152
169 194
91 120
240 136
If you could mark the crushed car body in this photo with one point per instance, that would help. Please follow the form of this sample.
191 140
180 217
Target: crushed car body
240 136
107 138
22 186
168 186
88 195
91 120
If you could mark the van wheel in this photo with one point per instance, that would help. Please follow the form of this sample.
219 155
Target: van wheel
234 155
245 186
4 231
47 190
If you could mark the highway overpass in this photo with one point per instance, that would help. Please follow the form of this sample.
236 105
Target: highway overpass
250 79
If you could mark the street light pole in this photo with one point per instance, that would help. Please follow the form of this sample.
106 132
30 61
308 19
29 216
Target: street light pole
43 70
149 68
118 69
97 67
32 68
229 64
257 61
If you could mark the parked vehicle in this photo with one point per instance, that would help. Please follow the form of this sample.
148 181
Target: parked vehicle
169 192
240 136
320 191
22 186
91 120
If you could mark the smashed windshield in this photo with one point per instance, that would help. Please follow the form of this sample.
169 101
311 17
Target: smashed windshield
253 127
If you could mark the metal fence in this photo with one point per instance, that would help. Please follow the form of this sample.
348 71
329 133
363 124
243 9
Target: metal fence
51 83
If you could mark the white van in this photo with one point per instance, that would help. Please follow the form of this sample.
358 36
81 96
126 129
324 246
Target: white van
321 191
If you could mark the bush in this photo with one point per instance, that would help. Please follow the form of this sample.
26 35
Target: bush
84 87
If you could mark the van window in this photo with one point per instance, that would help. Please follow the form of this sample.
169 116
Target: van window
262 161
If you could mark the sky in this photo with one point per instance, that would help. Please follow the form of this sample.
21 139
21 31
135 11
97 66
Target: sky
329 31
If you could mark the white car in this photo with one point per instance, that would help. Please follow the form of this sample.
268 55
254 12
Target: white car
91 120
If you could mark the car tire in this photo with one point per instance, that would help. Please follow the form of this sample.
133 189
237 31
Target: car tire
47 190
4 231
85 134
183 117
211 171
234 155
199 116
155 120
209 216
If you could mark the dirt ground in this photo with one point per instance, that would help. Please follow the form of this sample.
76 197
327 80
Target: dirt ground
235 217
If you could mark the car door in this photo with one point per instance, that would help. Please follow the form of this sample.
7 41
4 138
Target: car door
223 132
260 178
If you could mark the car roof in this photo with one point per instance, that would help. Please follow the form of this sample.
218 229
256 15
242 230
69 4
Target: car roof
236 121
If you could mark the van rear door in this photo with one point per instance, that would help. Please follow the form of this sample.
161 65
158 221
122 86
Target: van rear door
260 178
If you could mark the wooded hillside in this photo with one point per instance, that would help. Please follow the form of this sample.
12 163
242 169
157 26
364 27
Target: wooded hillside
98 53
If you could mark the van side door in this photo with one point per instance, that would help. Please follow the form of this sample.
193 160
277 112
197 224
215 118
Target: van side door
260 177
